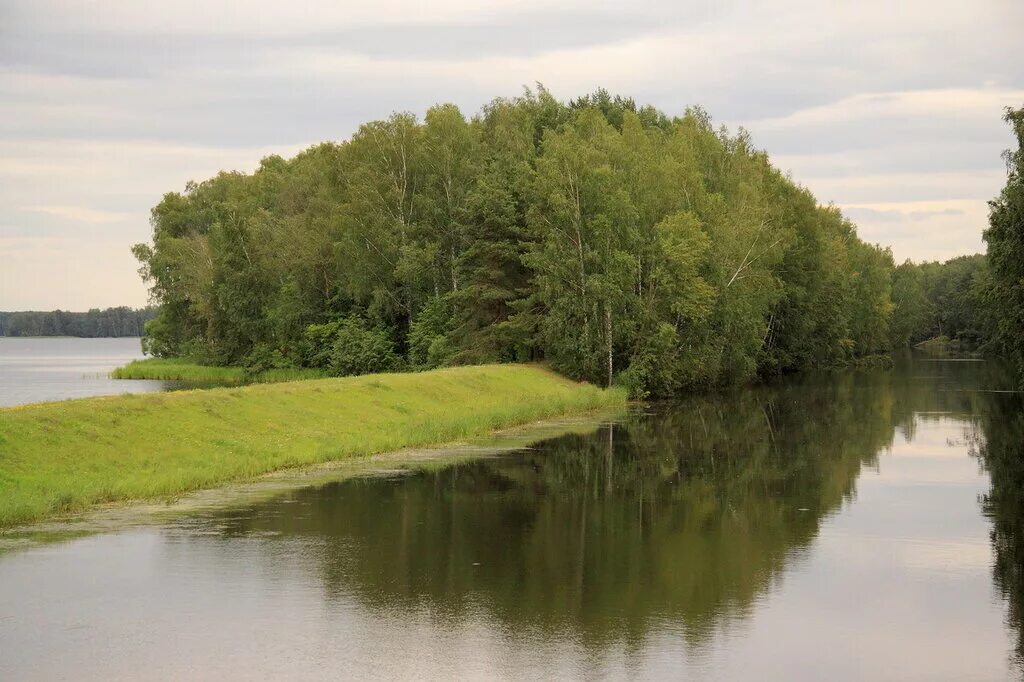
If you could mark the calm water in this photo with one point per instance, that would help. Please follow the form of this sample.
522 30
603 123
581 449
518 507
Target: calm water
37 369
858 527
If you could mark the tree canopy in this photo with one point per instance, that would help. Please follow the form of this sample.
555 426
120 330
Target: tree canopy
608 239
947 299
1005 238
110 322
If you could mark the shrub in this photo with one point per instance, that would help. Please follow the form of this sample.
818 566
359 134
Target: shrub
349 346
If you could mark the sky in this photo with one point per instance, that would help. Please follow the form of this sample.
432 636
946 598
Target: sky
890 110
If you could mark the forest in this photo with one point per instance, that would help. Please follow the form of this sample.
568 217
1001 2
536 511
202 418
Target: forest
613 242
941 301
95 323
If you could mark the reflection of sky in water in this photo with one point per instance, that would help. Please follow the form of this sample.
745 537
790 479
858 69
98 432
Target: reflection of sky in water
898 586
896 583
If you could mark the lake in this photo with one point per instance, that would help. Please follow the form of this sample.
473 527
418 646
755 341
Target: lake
856 526
34 369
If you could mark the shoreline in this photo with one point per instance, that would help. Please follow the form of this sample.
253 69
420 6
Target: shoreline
184 369
118 515
64 457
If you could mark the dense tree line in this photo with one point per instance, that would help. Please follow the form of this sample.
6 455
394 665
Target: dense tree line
942 300
115 322
606 238
1005 238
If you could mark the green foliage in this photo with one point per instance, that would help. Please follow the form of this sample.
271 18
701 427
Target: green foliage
428 335
1005 238
110 322
973 303
191 372
601 236
942 300
360 350
264 357
912 308
349 346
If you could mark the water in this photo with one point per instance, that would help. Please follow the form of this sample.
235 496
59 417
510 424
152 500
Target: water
863 526
38 369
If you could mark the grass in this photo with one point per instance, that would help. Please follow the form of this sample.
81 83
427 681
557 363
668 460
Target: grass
183 369
64 456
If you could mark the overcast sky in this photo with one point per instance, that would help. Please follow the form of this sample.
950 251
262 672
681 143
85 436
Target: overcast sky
891 110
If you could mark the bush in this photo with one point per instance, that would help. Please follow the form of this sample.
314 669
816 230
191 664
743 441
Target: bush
265 357
317 341
349 346
429 344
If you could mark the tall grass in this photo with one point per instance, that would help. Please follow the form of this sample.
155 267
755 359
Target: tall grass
60 457
183 369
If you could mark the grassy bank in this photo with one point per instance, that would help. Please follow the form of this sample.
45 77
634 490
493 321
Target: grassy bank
183 369
59 457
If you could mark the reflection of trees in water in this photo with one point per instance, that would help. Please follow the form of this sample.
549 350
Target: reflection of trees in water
1001 449
685 516
994 430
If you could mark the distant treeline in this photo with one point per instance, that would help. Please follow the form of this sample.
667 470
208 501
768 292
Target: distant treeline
94 323
942 300
611 240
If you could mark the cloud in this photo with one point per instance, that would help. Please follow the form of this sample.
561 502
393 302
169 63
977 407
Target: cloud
255 18
76 254
106 106
83 274
922 230
892 215
10 246
924 215
923 106
81 214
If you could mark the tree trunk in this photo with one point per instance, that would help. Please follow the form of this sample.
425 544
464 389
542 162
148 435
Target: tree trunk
455 273
608 337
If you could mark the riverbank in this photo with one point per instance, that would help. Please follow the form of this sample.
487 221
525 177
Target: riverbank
183 369
65 456
945 347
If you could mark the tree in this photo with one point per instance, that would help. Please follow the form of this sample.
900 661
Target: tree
604 237
1005 238
912 309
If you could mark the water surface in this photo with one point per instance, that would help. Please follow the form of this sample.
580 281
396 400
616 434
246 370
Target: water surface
844 527
38 369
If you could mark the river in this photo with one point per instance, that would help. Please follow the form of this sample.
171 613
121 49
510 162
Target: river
855 526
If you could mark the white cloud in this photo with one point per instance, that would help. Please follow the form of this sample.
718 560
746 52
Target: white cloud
74 255
85 273
923 230
892 187
80 213
247 17
920 105
106 106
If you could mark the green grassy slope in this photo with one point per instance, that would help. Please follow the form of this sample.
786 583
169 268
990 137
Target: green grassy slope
63 456
183 369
